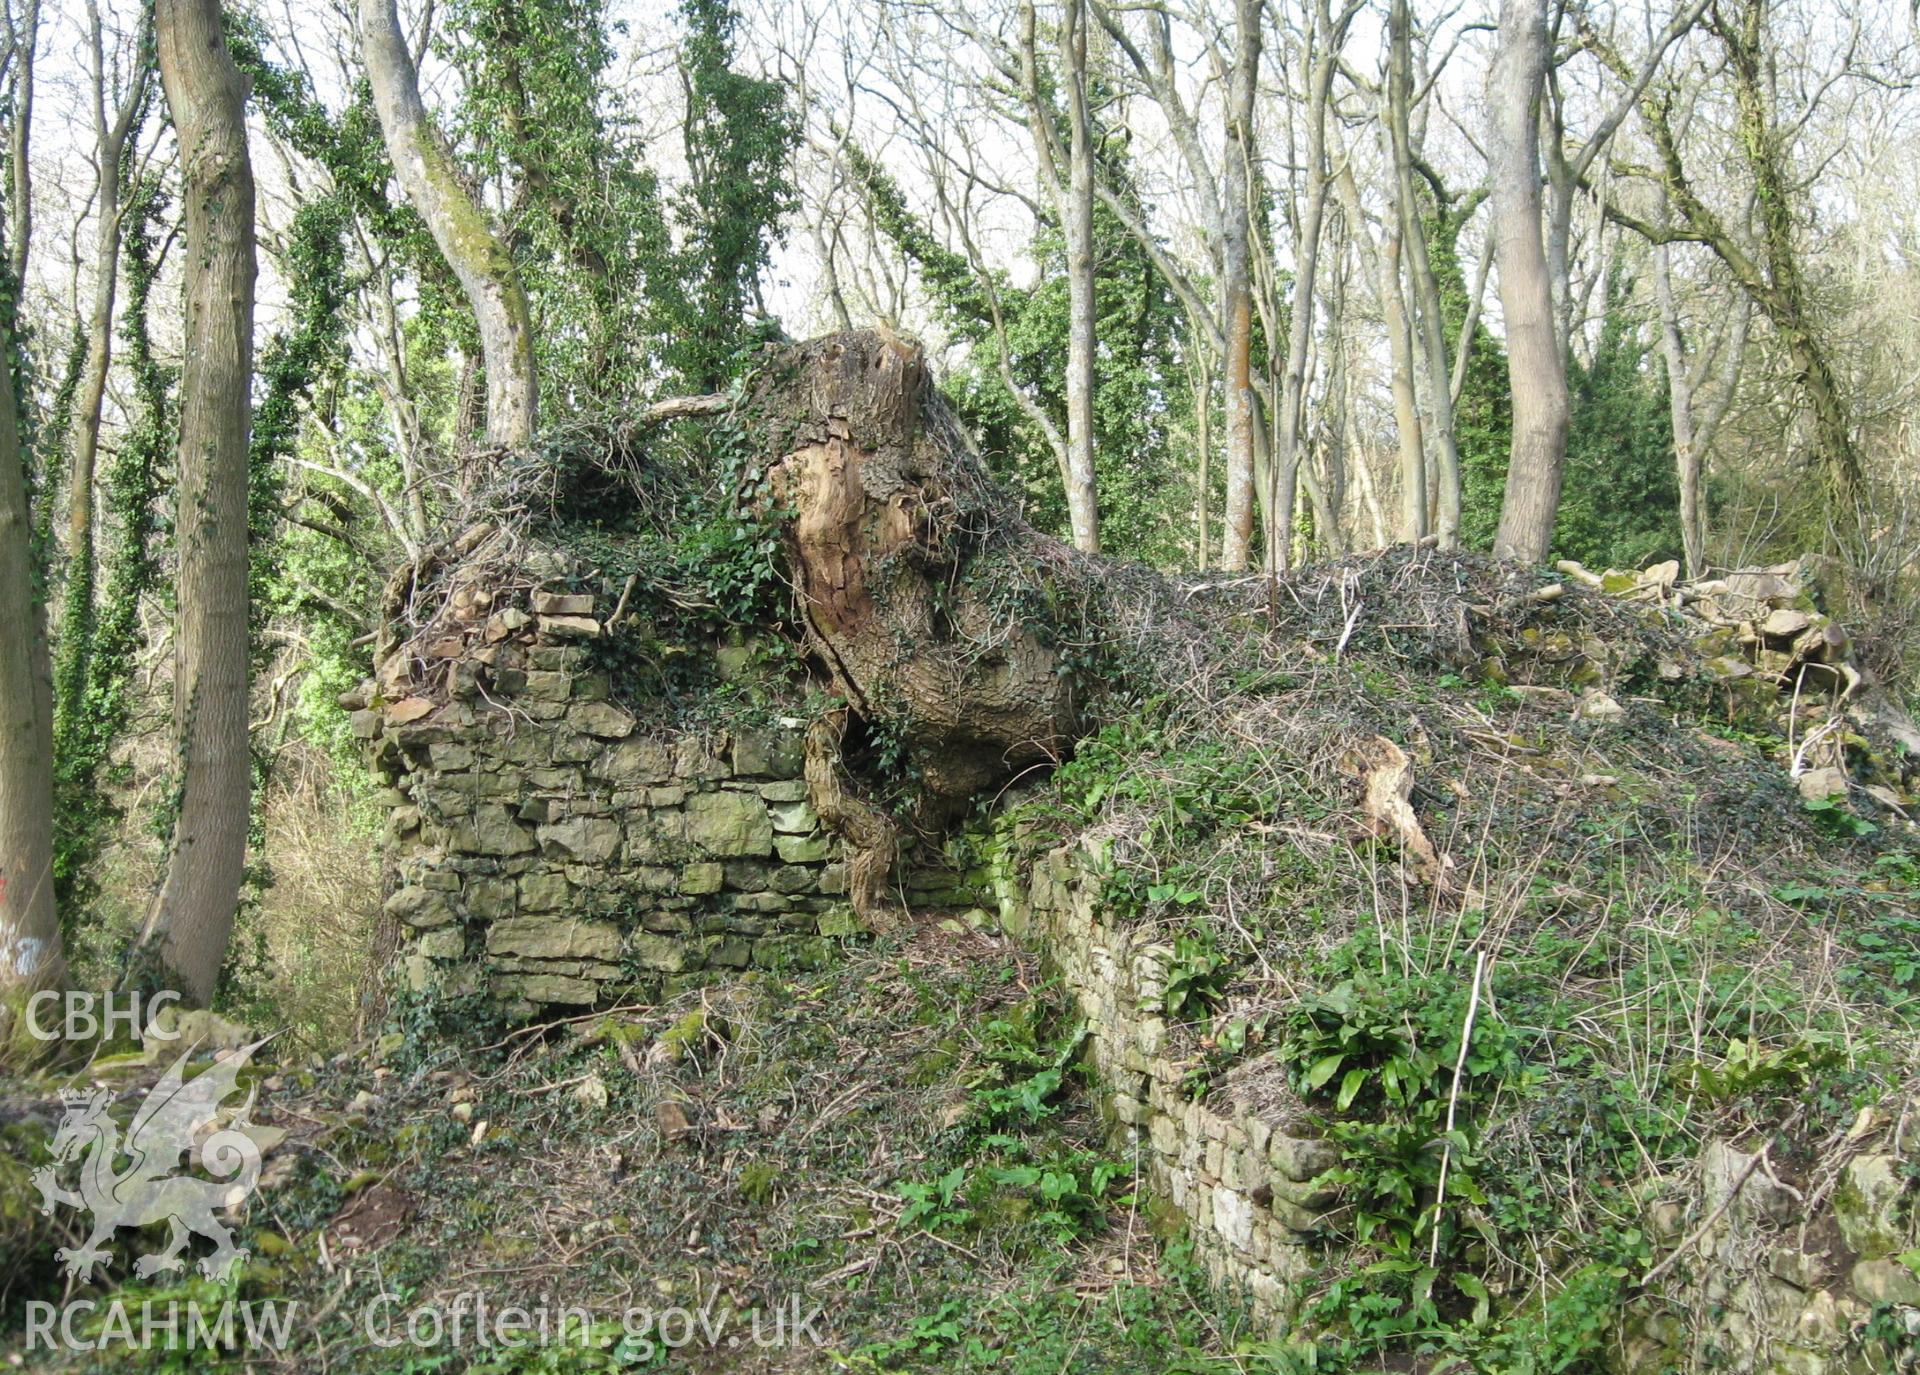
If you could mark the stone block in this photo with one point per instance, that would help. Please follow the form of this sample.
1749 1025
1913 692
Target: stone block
556 657
760 902
546 685
786 790
491 830
575 749
1867 1206
838 921
661 953
558 989
697 760
656 837
543 892
1886 1281
748 876
734 952
569 628
1233 1218
1164 1132
419 907
603 719
1302 1158
447 943
797 849
554 938
593 840
791 878
699 879
794 818
490 899
726 824
636 759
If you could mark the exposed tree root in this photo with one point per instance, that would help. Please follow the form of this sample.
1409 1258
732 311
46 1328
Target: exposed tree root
874 836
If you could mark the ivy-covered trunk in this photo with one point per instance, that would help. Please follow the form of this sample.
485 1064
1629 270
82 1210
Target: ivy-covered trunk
30 952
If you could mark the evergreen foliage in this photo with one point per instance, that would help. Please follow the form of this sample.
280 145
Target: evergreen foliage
741 132
94 697
1620 506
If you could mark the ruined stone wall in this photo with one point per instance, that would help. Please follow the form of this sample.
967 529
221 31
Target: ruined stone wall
1243 1179
549 848
1773 1279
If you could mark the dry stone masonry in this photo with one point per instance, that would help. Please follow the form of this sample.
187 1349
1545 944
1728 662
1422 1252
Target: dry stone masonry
1249 1190
548 848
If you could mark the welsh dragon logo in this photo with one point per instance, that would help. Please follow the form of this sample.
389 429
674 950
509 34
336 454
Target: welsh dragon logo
145 1190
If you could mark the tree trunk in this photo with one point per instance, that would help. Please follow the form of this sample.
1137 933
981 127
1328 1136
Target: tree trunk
1203 443
1242 413
426 173
19 137
193 915
892 505
1686 454
1072 196
1772 279
1432 336
111 134
1385 261
1082 504
30 952
1331 35
1536 368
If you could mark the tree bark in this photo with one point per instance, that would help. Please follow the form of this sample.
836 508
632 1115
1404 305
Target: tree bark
1431 339
892 509
1236 287
30 952
1686 453
19 139
426 172
83 436
111 133
1693 429
1384 258
1083 507
1536 368
1072 196
192 918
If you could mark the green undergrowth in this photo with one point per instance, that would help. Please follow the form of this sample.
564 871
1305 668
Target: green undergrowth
1658 943
906 1143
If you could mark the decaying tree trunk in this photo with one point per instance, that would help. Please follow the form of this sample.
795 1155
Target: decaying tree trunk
937 612
952 629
